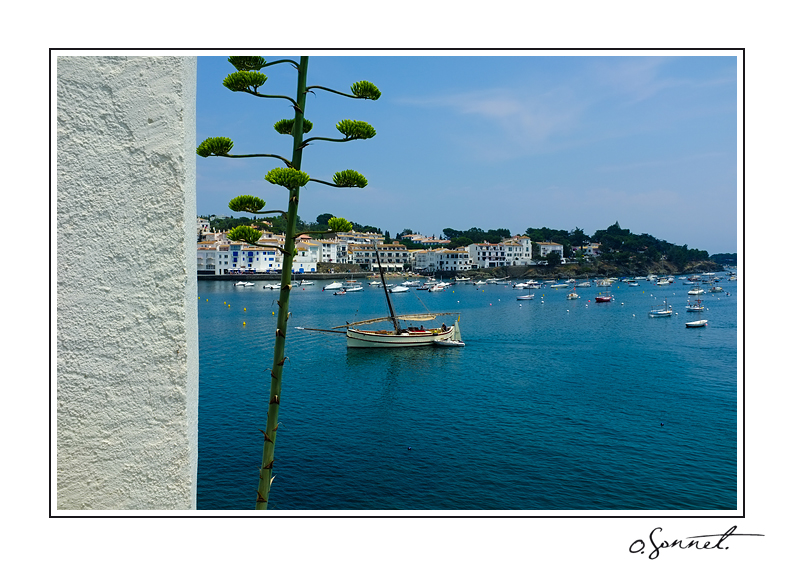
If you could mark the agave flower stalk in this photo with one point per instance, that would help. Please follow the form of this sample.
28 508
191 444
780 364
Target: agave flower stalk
248 79
268 450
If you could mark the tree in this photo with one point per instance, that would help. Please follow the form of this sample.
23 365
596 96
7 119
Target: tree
249 80
553 258
323 219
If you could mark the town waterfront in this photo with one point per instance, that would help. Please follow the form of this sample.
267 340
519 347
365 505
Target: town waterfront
553 404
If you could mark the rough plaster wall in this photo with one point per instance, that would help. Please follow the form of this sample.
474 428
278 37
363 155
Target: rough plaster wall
127 326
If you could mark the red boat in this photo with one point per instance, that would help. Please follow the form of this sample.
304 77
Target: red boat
603 298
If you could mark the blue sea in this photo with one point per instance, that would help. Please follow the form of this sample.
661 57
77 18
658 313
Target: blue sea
553 404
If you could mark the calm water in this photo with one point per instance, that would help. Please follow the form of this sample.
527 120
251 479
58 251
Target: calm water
551 405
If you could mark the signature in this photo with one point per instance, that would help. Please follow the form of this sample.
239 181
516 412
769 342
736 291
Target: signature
713 541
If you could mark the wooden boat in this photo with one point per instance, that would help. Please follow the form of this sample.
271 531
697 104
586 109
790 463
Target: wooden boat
340 292
603 298
694 324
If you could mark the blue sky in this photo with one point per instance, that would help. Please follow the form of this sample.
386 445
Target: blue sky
504 141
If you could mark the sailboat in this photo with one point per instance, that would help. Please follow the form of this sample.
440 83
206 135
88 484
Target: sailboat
663 310
411 336
696 306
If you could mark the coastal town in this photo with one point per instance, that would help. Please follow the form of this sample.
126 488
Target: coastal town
217 255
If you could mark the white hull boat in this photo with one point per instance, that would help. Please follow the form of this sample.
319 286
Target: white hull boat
332 286
523 297
360 338
398 289
663 310
695 324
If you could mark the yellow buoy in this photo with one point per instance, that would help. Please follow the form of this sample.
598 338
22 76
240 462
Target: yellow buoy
243 323
244 309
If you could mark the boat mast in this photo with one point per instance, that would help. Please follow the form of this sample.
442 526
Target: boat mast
386 291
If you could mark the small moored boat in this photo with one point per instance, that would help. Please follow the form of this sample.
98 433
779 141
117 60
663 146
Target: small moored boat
693 324
663 310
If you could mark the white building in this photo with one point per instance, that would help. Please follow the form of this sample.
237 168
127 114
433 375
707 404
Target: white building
393 257
588 249
421 261
487 255
518 251
547 248
451 260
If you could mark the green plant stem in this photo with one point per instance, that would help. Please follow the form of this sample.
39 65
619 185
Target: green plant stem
331 91
285 160
268 451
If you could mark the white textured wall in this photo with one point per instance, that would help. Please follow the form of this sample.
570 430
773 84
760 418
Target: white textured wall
127 327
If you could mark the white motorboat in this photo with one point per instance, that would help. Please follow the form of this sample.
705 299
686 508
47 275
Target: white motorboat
437 287
559 286
331 286
697 290
696 306
663 310
584 284
573 295
694 324
398 289
271 286
244 284
353 288
523 297
307 282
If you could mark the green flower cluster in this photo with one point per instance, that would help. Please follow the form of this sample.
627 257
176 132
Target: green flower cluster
349 178
285 126
286 177
215 147
244 81
355 129
247 63
365 89
244 234
247 203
